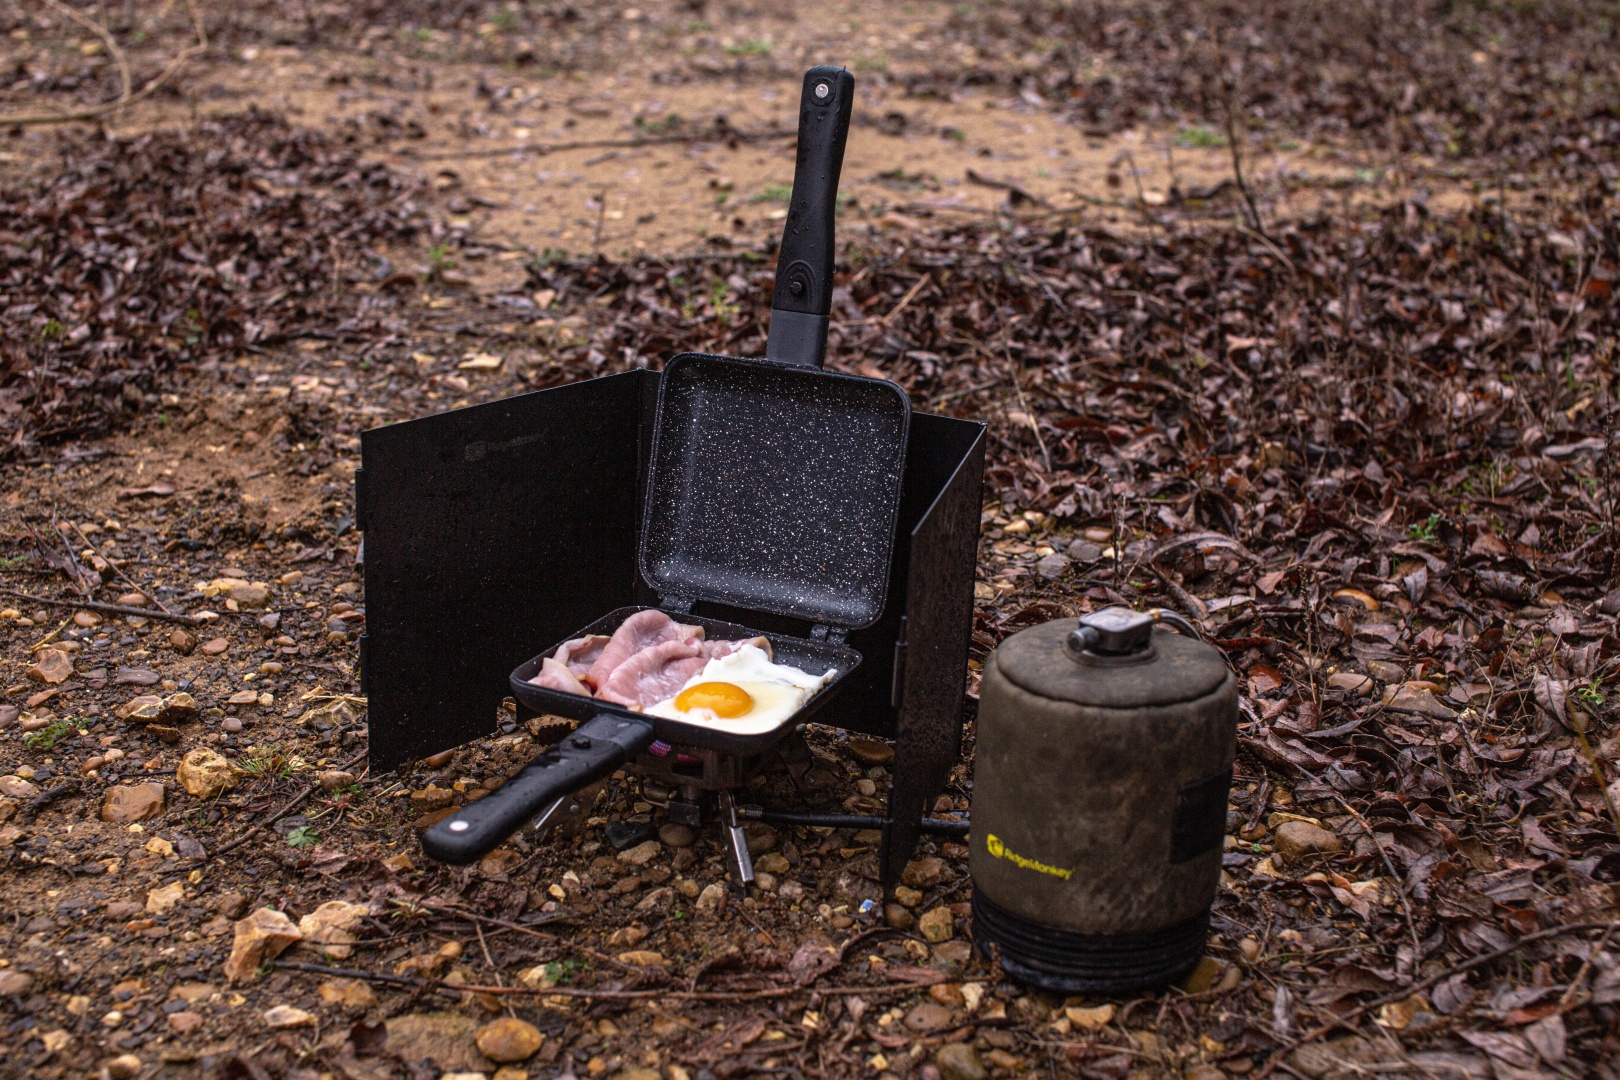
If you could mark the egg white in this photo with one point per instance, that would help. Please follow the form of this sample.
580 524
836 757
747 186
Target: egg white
778 690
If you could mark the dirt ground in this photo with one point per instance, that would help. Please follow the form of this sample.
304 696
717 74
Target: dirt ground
1355 415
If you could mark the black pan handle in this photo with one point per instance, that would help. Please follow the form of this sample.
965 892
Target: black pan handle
804 269
600 745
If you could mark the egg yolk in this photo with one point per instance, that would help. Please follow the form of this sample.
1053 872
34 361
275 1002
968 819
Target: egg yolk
721 698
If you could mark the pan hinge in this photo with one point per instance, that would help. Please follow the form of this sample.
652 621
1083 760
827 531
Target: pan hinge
897 693
680 605
834 634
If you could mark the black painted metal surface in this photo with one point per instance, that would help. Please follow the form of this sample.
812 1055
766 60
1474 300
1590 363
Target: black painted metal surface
775 488
948 459
490 530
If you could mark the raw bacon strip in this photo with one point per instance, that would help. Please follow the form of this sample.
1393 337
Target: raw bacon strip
555 675
580 653
713 650
640 631
653 674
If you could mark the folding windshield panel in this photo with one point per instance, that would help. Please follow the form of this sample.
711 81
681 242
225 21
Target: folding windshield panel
491 532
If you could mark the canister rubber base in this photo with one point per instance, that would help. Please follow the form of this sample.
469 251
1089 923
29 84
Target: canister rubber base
1073 963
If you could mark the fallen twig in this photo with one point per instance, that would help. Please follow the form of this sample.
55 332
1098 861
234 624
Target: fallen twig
126 98
111 609
440 986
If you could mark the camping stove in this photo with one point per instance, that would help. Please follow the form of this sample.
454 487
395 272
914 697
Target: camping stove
493 530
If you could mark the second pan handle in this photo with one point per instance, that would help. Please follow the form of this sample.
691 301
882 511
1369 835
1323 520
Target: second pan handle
600 745
802 299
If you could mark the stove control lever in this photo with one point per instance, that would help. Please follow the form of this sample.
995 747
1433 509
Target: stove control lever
741 863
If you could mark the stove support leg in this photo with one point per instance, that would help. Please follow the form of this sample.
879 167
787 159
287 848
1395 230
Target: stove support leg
740 862
688 808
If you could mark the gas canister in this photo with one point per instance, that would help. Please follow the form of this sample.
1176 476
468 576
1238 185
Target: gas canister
1104 756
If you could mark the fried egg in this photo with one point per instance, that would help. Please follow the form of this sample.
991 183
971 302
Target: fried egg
745 692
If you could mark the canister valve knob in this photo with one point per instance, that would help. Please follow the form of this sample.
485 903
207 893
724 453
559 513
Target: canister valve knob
1119 631
1112 632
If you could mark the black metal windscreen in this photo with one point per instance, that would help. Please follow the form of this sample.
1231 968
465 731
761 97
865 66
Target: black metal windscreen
492 530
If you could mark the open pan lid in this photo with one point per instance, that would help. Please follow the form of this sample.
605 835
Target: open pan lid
774 488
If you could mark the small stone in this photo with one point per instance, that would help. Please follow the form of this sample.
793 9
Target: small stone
349 993
270 620
924 873
160 900
1202 977
507 1072
261 936
215 646
14 983
906 895
764 880
15 787
1092 1019
249 596
641 958
331 927
432 797
233 905
871 752
641 854
1297 838
1352 682
334 779
185 1022
271 667
286 1016
50 666
132 802
206 775
676 835
86 619
1085 552
929 1017
439 760
509 1039
1052 567
182 642
898 917
178 708
123 1067
711 898
773 863
959 1061
937 925
231 725
626 936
